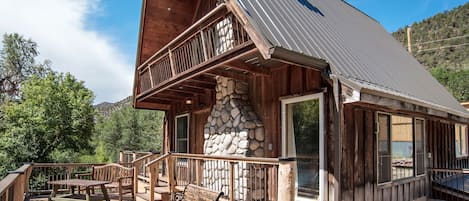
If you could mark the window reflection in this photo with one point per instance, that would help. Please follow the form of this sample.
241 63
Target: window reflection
402 147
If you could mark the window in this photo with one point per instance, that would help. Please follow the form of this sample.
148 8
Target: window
182 133
401 148
302 138
419 146
461 140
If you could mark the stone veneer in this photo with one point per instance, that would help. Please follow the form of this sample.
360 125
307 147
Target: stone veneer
233 129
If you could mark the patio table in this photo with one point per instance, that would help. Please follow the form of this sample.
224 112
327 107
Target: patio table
88 184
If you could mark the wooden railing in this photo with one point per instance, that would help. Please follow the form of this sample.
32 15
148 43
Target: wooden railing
450 183
215 34
142 172
239 178
41 173
14 187
126 158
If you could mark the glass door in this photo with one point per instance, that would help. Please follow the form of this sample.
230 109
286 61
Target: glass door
302 140
182 134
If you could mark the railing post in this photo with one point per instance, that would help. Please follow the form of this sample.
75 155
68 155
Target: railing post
198 172
121 157
152 182
286 179
171 179
204 47
136 170
231 186
151 80
171 62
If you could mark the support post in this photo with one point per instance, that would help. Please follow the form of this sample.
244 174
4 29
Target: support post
152 182
136 166
198 172
287 179
232 183
121 157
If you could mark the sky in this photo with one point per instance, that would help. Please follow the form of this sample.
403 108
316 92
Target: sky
96 40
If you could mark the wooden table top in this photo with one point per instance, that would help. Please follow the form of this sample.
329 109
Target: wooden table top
79 182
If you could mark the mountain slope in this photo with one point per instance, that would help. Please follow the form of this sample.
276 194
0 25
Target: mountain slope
441 44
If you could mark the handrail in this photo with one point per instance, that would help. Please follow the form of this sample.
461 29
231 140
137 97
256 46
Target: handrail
464 171
65 164
142 158
252 160
192 28
164 156
17 182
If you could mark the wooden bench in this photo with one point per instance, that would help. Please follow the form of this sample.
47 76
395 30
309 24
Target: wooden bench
197 193
121 178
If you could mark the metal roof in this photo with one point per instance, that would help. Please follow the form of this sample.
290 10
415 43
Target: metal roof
356 47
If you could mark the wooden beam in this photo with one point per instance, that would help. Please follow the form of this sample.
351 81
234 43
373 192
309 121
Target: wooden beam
186 90
190 89
152 106
242 66
199 85
229 74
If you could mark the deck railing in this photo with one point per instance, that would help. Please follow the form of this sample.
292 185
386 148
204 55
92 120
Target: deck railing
14 186
452 183
126 158
142 172
239 178
215 34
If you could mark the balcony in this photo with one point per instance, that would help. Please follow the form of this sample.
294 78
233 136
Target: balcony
210 41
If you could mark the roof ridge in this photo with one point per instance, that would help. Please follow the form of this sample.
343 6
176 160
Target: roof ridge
347 3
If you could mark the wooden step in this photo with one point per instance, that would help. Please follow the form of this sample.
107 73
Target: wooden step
146 197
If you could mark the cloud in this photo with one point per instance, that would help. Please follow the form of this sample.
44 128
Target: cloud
59 27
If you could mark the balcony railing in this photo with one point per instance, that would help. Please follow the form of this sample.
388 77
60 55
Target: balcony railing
213 36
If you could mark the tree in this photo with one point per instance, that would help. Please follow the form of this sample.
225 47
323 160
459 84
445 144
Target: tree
54 117
17 64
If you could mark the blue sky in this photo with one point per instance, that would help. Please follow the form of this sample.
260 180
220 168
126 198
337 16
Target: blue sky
96 40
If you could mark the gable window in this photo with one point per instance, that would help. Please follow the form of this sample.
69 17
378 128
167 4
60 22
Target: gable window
401 148
182 133
461 140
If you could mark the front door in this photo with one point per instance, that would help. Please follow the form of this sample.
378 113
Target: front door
302 137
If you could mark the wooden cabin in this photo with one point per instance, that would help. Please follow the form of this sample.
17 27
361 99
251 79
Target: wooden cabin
293 100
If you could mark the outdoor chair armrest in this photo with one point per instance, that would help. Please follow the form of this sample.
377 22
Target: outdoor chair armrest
120 179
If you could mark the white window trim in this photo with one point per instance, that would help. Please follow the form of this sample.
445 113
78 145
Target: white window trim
424 148
322 166
175 130
461 126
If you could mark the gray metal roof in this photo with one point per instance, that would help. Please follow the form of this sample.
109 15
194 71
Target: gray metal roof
356 47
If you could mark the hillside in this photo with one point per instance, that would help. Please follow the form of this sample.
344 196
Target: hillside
441 44
106 109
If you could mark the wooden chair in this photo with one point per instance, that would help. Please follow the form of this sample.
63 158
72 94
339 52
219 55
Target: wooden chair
196 193
120 176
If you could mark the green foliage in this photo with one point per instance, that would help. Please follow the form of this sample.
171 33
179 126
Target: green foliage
51 123
17 64
127 129
450 55
455 80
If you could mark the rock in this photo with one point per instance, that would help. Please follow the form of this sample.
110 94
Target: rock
213 122
216 113
243 144
243 135
225 116
259 152
241 88
236 121
241 126
212 130
229 124
220 147
219 122
258 123
217 139
251 134
206 135
253 145
234 112
243 119
224 82
227 141
218 95
222 128
230 87
235 140
241 151
249 125
233 103
260 134
232 149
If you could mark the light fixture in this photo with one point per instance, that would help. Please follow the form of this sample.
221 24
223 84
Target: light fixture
188 101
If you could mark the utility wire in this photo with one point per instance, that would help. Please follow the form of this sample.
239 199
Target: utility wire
442 47
445 39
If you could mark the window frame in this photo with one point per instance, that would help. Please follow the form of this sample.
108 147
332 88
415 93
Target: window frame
424 131
175 131
461 126
414 157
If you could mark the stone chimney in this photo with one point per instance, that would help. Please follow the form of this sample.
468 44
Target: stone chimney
233 127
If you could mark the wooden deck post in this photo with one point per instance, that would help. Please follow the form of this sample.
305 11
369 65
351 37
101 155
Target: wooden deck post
232 183
121 157
198 172
153 180
287 179
136 166
171 179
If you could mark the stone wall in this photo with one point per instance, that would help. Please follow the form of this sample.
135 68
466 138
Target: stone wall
233 129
